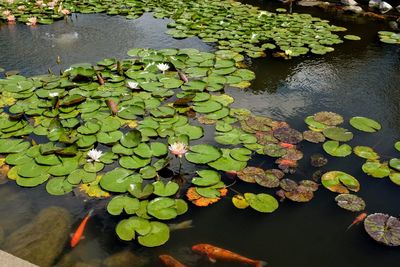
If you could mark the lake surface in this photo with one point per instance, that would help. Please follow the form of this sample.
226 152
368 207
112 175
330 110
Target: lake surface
357 79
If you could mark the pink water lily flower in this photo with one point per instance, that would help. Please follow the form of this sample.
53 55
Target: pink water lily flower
6 13
10 1
22 7
65 12
32 21
178 149
11 18
40 3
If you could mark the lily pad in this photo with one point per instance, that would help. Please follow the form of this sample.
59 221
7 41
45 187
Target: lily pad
338 134
365 124
328 118
383 228
340 182
376 169
207 178
126 228
240 202
202 154
262 202
365 152
333 148
165 190
123 203
158 235
350 202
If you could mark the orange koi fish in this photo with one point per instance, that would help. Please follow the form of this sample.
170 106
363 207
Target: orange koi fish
216 253
170 261
77 236
286 145
357 220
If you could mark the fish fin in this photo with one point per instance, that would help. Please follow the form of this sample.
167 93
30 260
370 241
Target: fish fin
349 227
212 260
91 212
261 263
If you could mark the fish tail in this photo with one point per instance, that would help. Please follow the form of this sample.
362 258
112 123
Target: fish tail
90 212
351 225
260 263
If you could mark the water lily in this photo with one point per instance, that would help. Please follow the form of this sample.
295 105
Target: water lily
6 13
40 3
11 18
288 52
53 94
163 67
21 7
133 85
94 155
178 149
10 1
32 22
51 4
65 12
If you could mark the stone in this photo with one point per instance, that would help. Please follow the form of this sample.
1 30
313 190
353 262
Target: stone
309 3
349 2
353 9
42 240
125 258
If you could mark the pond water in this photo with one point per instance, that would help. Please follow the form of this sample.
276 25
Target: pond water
358 78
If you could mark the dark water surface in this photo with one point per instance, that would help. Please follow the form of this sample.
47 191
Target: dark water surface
358 78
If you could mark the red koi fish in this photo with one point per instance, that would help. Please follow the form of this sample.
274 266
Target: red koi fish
170 261
357 220
78 235
216 253
286 145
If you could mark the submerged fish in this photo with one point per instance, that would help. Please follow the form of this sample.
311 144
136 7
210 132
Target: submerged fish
78 235
181 226
170 261
357 220
215 253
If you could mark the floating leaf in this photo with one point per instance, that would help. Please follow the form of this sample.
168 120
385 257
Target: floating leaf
314 137
376 169
58 186
365 152
207 178
240 202
165 190
340 182
350 202
262 202
123 203
383 228
202 154
338 134
334 149
158 235
328 118
126 228
365 124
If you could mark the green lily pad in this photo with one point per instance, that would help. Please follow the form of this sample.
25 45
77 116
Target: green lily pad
227 163
131 139
376 169
207 178
117 180
165 190
202 154
365 152
67 166
340 182
123 203
79 175
137 190
58 186
365 124
13 146
162 208
126 228
338 134
159 235
262 202
333 148
31 181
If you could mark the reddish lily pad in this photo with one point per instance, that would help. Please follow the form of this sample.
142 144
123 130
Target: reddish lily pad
300 194
249 174
318 160
314 137
350 202
288 185
328 118
383 228
288 135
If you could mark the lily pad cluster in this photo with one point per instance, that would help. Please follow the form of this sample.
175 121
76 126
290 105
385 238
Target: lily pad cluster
104 130
389 37
233 26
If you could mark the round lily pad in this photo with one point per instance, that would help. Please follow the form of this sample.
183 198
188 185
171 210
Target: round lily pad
123 203
262 202
365 152
207 178
158 235
376 169
162 208
365 124
288 135
338 134
127 228
340 182
240 202
165 190
249 174
333 148
383 228
350 202
314 137
202 154
328 118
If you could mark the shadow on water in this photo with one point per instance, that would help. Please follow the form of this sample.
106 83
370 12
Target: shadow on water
358 78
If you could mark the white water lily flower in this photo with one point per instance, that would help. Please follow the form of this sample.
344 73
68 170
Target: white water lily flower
94 155
288 52
163 67
54 94
133 85
262 13
253 36
178 149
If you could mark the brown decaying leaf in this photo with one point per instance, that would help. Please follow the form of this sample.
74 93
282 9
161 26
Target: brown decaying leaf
248 174
201 201
328 118
314 137
288 135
